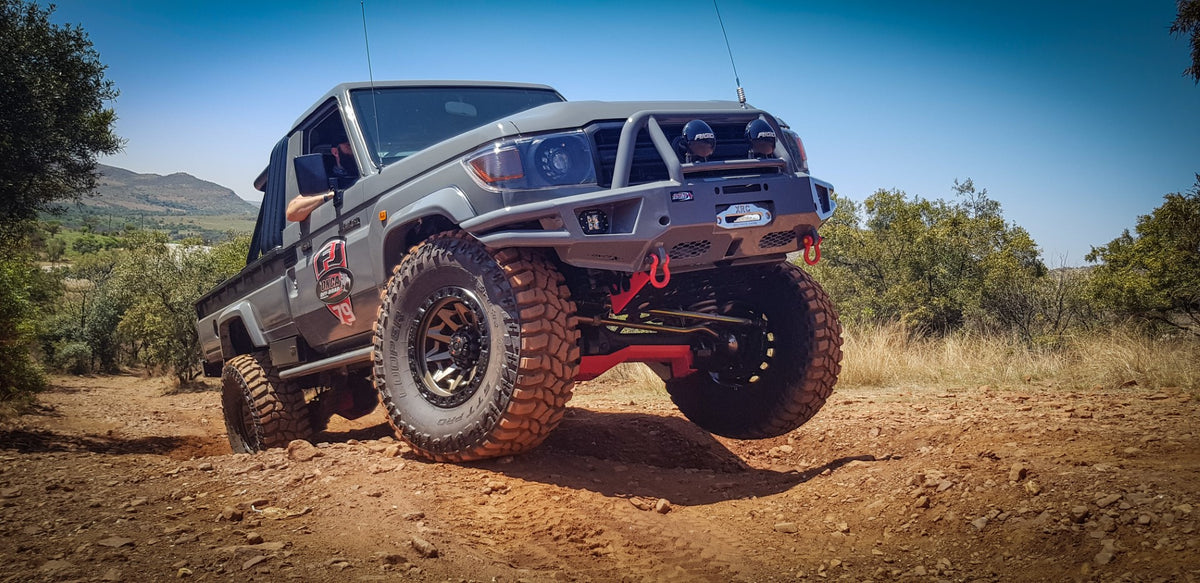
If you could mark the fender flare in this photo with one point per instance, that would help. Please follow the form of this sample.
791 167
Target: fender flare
449 203
244 312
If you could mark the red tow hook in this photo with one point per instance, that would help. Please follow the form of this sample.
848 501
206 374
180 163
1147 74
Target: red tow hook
639 280
809 244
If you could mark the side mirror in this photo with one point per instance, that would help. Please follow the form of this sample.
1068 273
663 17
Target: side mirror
311 175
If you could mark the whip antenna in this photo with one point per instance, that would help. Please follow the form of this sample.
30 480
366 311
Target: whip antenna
741 93
371 76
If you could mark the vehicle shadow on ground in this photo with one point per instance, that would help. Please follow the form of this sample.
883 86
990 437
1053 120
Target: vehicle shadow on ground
43 441
643 455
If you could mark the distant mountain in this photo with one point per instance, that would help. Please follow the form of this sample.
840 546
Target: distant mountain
129 193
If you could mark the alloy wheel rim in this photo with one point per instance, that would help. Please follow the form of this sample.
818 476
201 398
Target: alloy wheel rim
448 347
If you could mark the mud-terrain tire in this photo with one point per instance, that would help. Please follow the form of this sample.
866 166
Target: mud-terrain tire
475 351
788 378
261 411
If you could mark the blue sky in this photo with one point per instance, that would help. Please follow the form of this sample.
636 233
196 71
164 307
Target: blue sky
1073 114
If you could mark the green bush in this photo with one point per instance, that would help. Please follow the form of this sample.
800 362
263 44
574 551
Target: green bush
935 266
21 376
72 357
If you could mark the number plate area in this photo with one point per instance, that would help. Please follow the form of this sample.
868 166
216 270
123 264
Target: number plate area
742 215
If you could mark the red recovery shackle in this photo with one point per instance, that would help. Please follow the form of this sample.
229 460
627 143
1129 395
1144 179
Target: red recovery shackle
810 244
666 269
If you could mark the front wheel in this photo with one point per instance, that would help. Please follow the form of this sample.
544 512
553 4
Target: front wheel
475 354
778 375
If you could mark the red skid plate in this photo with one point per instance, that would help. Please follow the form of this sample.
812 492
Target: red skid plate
678 356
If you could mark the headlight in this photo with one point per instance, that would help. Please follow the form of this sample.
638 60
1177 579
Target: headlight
538 162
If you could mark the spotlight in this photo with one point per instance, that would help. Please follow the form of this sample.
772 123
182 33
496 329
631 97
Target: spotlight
761 138
699 139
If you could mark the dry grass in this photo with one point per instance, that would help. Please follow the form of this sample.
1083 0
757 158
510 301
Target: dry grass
631 381
885 356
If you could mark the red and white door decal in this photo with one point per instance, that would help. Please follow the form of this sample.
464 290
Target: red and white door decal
334 280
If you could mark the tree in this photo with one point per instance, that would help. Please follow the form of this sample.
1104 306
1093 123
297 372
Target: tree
1187 23
78 333
1155 275
54 121
933 265
160 284
53 124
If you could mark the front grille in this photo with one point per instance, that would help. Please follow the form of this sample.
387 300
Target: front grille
776 239
689 249
647 164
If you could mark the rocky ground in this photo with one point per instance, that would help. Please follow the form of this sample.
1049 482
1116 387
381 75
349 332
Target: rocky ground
115 480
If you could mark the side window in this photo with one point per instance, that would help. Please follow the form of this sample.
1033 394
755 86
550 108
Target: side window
328 137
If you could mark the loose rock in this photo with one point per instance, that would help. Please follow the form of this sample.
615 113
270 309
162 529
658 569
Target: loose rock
424 547
231 514
254 561
302 451
392 558
1105 556
663 506
788 527
116 542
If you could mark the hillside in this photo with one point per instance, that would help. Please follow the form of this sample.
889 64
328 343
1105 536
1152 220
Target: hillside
123 192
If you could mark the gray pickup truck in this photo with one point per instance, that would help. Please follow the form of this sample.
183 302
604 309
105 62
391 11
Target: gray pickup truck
483 246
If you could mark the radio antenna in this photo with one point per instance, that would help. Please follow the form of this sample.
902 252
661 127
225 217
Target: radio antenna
741 93
371 76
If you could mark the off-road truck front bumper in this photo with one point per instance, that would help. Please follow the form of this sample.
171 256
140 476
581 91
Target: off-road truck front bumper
702 215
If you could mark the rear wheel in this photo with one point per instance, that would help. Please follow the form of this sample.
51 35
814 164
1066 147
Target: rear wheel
770 379
475 355
261 411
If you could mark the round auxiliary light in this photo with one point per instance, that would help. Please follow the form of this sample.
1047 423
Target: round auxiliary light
699 139
761 137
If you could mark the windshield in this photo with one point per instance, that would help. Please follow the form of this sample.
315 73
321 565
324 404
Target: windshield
414 118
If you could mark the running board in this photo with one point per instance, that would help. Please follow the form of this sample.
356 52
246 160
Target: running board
344 359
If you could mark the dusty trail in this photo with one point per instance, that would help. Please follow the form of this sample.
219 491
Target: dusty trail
114 481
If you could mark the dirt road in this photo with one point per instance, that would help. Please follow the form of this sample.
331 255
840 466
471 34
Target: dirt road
114 481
